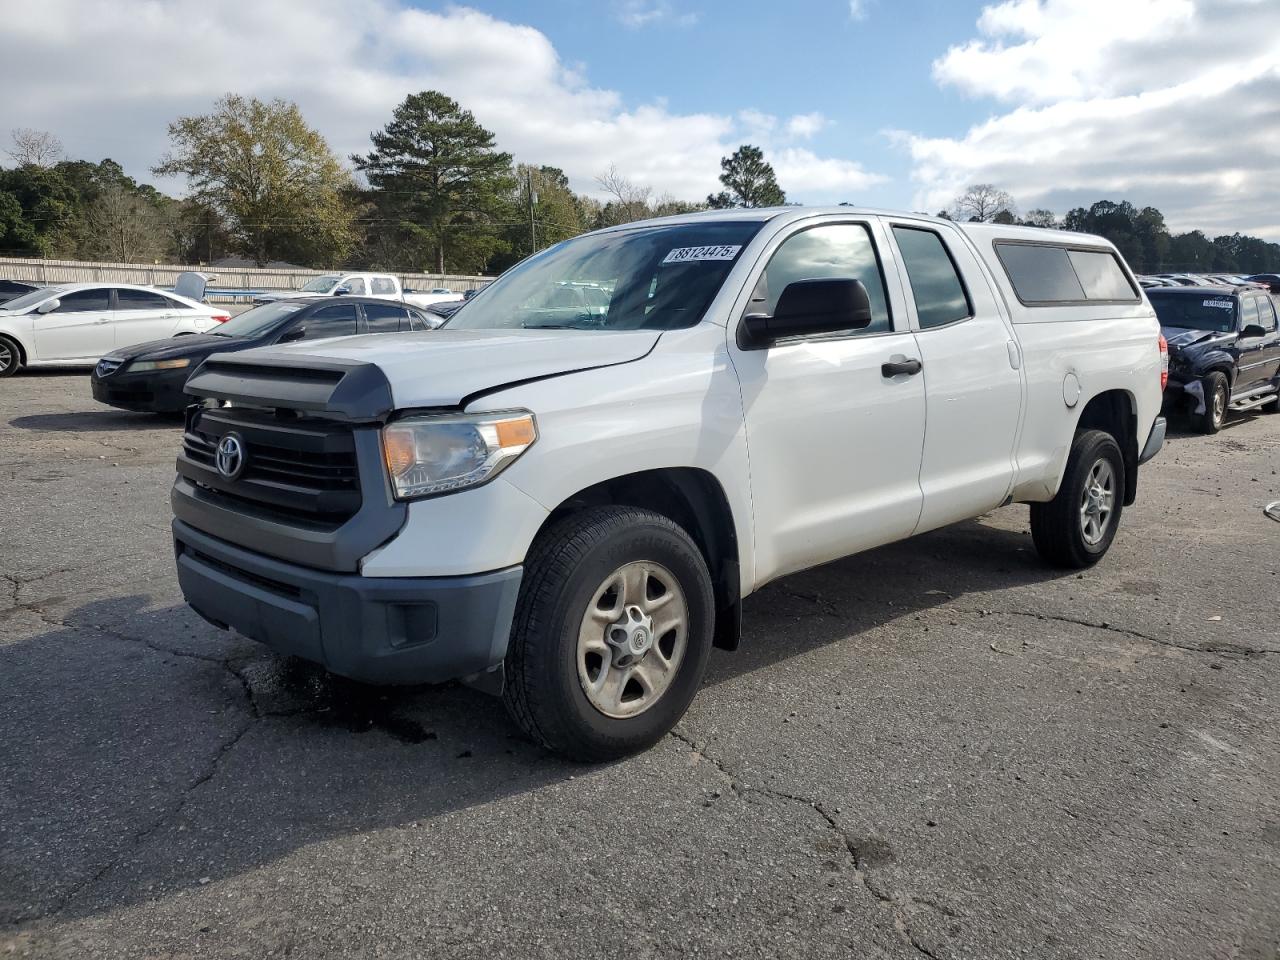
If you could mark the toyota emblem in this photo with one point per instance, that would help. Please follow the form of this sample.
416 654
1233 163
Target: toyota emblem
230 456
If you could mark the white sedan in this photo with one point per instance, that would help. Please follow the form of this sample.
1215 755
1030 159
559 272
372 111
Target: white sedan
74 324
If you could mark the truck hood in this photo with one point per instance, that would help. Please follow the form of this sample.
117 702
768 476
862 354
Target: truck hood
443 367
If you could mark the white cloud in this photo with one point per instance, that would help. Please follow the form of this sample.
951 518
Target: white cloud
858 9
1168 103
108 84
637 14
804 125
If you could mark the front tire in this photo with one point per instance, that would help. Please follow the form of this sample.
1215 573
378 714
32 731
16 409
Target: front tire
1217 393
1075 529
611 635
10 357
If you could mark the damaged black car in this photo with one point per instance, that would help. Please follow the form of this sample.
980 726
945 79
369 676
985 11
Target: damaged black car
1224 352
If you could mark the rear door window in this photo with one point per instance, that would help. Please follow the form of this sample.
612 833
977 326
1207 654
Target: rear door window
384 317
383 285
127 299
1267 312
935 283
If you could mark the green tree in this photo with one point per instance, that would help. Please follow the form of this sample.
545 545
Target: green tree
272 179
440 184
748 180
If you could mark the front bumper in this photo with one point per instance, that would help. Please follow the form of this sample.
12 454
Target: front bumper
152 392
374 629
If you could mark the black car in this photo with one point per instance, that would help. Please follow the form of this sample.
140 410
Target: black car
9 289
1224 351
1271 280
151 376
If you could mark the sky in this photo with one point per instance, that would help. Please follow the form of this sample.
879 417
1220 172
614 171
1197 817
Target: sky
887 103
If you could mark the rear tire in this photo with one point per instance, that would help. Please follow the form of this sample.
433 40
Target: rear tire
558 686
1075 529
10 357
1217 394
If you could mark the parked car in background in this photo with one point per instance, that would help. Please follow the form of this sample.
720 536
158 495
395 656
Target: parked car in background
564 495
75 324
1270 280
151 376
1224 351
10 289
381 285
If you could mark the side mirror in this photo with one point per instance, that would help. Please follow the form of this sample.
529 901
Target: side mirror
341 291
49 306
297 333
809 308
1253 330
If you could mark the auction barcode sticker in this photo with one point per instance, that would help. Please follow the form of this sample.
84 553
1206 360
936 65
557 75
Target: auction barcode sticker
689 254
1220 304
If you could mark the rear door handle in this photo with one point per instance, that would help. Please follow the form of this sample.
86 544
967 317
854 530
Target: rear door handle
895 367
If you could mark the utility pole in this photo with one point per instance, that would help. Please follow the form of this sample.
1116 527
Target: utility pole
533 229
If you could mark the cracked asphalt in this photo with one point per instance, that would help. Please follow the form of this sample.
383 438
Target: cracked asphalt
941 748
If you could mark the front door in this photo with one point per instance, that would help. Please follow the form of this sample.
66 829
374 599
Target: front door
78 329
971 375
1258 355
833 438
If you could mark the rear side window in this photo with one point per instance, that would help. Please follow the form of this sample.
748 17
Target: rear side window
935 283
383 285
1042 274
384 317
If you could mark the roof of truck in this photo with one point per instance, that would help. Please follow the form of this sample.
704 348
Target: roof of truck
977 231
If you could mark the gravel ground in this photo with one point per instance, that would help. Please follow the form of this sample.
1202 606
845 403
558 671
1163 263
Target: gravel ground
937 749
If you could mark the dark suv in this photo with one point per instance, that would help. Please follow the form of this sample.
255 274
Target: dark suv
1224 351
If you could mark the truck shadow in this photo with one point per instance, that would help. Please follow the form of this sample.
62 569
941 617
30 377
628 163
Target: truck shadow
141 772
98 421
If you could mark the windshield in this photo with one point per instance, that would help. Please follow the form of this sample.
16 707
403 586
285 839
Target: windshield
257 321
319 285
649 278
30 299
1196 311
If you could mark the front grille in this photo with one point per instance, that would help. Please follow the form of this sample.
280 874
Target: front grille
304 469
107 367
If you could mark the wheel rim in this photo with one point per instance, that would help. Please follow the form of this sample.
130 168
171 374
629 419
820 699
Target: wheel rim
632 639
1097 502
6 356
1219 404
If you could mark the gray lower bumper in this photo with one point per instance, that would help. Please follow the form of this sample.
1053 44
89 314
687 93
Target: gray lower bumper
1155 440
379 630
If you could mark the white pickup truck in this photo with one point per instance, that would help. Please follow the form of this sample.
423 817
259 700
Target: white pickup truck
567 505
361 285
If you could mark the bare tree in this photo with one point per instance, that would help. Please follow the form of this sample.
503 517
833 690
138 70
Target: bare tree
35 148
1040 217
981 202
123 227
630 200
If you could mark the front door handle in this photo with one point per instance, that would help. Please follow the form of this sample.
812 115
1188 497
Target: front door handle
895 367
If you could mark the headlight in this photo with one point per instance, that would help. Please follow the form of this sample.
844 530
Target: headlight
145 365
441 454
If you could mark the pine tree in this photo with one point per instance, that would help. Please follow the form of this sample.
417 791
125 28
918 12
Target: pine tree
749 181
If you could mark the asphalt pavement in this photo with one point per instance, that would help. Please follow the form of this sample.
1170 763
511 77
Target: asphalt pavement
938 749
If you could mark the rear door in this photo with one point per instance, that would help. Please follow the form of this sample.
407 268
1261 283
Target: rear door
972 380
143 315
79 329
1253 368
